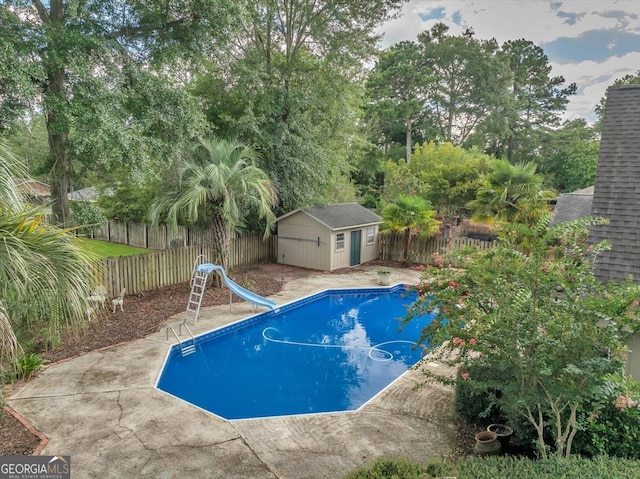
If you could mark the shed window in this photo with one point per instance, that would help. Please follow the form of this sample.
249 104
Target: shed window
339 241
371 235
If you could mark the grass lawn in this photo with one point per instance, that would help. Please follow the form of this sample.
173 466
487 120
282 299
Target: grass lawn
105 249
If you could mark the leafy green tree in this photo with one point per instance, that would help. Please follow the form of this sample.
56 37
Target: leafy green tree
409 215
395 87
539 100
512 193
131 198
399 180
451 175
19 78
288 89
216 184
531 312
44 277
568 157
27 138
98 68
467 84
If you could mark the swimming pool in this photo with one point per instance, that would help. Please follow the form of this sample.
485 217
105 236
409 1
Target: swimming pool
332 351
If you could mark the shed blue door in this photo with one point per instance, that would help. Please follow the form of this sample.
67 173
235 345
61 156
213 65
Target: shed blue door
355 247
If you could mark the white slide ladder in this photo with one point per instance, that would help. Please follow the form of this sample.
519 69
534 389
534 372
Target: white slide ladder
198 284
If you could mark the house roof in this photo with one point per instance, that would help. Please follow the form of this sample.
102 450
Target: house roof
617 194
88 194
574 205
340 216
27 185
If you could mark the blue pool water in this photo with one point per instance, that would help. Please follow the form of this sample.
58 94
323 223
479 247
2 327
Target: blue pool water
332 351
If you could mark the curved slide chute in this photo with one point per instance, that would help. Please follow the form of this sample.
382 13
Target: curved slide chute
235 288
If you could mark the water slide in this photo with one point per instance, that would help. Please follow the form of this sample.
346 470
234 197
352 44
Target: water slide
235 288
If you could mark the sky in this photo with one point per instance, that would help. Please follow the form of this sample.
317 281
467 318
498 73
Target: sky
589 42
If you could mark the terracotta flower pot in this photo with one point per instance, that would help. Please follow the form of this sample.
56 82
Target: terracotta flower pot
487 444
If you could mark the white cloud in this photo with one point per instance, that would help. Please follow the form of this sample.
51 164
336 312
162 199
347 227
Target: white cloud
542 22
593 79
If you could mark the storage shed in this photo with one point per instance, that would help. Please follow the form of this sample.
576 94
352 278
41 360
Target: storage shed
328 237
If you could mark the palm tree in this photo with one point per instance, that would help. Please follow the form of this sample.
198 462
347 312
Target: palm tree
43 282
513 193
217 180
410 215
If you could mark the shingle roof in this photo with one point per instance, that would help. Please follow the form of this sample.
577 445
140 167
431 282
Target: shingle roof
617 188
343 215
88 194
574 205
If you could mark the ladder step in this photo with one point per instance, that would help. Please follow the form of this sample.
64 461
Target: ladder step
188 349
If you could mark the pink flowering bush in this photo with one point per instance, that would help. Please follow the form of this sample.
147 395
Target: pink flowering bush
437 259
611 422
520 323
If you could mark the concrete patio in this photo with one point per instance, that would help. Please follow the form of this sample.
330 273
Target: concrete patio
102 409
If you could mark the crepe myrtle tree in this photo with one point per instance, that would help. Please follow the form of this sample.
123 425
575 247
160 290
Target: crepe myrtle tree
532 313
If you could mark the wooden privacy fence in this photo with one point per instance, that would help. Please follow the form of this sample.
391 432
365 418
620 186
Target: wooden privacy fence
152 237
421 250
158 269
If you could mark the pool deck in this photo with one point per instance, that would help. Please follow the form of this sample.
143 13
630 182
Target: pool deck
102 409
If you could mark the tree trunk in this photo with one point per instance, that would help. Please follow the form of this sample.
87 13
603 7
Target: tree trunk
57 125
407 240
58 144
409 141
220 242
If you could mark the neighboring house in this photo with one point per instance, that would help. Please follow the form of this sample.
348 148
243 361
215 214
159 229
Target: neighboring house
90 194
34 190
617 188
328 237
574 205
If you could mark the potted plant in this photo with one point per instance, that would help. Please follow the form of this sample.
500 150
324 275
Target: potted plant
383 276
487 444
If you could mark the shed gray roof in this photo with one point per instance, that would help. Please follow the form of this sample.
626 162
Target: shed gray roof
617 188
574 205
340 216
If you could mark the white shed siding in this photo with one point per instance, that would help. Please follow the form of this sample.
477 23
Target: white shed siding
342 259
370 252
308 238
298 241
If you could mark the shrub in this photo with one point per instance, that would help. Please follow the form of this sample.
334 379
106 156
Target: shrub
390 468
473 401
552 468
477 403
527 310
611 426
501 466
27 365
86 215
